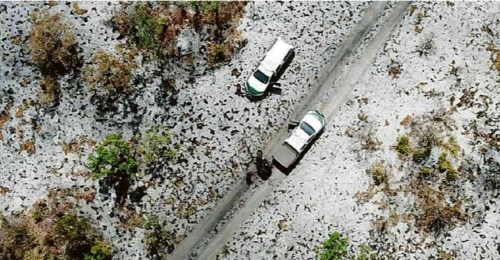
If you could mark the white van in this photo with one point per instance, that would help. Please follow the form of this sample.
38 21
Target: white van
269 68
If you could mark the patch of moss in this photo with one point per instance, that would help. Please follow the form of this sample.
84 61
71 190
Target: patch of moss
403 145
444 165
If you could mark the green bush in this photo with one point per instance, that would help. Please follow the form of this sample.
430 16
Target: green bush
145 27
155 145
403 145
335 247
113 158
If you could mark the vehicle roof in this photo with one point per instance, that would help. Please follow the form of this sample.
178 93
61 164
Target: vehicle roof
276 55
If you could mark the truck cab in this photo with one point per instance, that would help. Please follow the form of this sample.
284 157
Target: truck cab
269 68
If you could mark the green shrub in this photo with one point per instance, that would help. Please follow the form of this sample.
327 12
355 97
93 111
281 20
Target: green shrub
335 247
148 28
154 145
113 157
403 145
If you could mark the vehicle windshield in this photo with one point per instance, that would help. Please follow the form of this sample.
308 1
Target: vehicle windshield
307 128
291 148
261 76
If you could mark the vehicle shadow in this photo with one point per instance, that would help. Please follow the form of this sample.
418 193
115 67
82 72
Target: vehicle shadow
288 170
285 66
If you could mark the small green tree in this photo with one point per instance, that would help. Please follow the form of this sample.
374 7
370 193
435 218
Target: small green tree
113 158
335 247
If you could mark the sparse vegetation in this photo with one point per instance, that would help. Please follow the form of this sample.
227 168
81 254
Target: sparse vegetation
495 57
394 69
53 50
157 238
52 44
51 233
418 23
49 91
154 145
444 165
426 46
435 213
425 172
111 73
154 29
378 173
428 178
28 147
370 143
335 247
452 146
366 253
5 116
109 79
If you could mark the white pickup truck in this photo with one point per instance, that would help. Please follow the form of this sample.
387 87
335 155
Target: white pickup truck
299 139
270 67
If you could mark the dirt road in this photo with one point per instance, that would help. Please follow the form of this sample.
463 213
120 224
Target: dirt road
200 240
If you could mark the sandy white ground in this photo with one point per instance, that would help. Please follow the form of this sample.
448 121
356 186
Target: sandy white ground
207 112
318 197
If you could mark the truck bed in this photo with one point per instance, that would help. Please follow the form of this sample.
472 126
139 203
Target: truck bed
285 155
